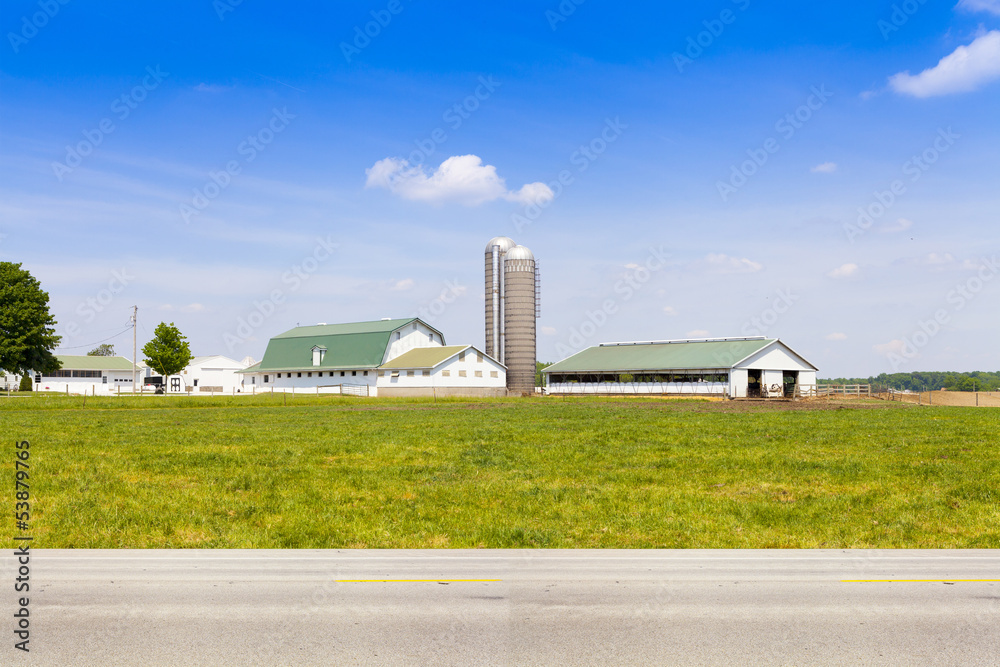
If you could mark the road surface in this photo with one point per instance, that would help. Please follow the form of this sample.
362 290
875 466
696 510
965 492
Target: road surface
508 607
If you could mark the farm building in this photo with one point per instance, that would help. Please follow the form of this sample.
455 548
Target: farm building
213 374
85 374
730 367
387 357
456 370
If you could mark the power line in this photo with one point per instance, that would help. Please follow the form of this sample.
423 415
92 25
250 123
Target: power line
77 347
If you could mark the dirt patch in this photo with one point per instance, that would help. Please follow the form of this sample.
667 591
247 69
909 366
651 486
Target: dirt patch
965 399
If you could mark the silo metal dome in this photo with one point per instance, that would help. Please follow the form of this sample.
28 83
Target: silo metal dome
519 252
504 242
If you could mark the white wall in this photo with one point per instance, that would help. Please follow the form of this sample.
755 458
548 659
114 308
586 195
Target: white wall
220 372
738 380
454 378
776 357
325 381
411 337
80 386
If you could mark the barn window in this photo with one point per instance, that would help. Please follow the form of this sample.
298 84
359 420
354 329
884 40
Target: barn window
461 355
267 378
479 357
494 374
479 374
318 354
409 374
461 374
446 374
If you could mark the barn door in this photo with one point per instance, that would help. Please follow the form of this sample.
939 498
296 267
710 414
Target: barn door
753 383
790 380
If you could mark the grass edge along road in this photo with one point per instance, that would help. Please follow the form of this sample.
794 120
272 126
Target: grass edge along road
342 472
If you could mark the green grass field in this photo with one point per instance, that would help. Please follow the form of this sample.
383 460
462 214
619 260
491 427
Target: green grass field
340 472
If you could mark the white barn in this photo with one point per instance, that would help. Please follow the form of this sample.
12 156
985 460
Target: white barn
456 370
90 375
356 358
213 374
730 367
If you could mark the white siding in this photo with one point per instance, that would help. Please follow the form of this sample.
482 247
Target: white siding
738 379
775 357
410 337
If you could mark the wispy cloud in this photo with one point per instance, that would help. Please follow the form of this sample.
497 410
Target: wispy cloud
836 336
991 6
721 263
844 271
402 285
463 179
825 168
901 225
966 69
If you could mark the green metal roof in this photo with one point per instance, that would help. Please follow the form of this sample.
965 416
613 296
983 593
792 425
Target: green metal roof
380 326
424 357
348 346
683 355
72 362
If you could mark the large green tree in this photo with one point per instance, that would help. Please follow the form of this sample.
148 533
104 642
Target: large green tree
102 350
27 328
168 353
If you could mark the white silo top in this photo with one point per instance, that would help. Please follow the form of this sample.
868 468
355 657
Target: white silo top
504 242
519 252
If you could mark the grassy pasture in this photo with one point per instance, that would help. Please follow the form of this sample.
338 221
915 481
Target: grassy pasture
342 472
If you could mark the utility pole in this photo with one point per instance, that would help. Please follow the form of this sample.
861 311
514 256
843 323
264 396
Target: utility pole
135 317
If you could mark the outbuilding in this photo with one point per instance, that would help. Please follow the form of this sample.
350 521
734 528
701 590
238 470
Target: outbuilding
755 367
454 370
89 375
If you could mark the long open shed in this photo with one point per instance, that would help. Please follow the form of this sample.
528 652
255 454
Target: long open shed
730 367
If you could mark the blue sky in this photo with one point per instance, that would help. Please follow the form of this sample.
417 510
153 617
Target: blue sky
825 172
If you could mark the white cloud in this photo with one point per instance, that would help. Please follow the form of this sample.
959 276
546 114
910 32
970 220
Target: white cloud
402 285
964 70
892 347
697 333
844 271
825 168
549 331
991 6
726 264
462 178
190 308
900 225
937 259
211 88
836 336
670 310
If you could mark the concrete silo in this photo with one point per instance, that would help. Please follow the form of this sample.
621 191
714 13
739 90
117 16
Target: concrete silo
512 311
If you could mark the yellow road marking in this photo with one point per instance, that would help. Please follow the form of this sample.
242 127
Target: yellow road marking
914 581
410 581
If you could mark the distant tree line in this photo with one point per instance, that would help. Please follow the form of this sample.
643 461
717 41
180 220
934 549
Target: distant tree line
928 381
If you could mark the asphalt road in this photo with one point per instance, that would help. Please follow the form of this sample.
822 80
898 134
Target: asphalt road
538 608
